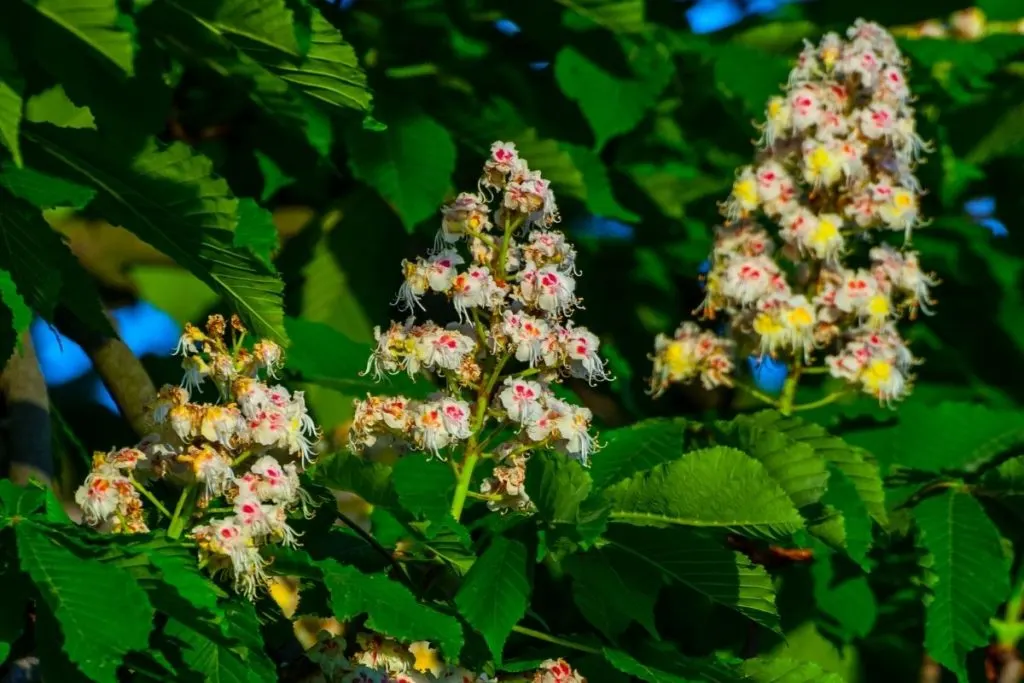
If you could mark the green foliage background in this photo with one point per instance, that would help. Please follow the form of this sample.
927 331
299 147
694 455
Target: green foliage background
197 125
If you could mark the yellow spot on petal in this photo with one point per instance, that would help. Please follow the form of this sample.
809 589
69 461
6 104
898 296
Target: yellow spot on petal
800 317
765 325
679 361
307 628
745 191
427 658
285 592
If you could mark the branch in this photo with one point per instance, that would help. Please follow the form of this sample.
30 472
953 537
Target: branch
27 416
122 373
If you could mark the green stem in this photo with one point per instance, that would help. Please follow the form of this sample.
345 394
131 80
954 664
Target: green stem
789 389
242 458
511 225
150 497
482 496
764 398
473 447
462 486
177 524
816 370
555 640
831 398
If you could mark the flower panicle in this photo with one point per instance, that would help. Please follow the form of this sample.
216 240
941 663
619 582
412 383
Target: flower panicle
834 175
262 428
374 658
510 280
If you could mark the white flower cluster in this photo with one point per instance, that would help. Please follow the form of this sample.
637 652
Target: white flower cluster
378 659
513 292
835 168
202 447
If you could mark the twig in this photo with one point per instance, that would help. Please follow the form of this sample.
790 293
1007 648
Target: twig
539 635
931 672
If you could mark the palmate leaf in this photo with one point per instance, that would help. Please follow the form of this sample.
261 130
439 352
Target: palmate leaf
95 26
42 190
640 446
620 16
219 661
846 523
344 471
496 592
612 589
330 71
392 609
967 572
673 669
19 313
410 164
266 25
593 88
952 436
424 486
717 487
11 102
797 467
102 612
42 267
169 197
54 106
557 485
704 564
256 231
782 670
855 463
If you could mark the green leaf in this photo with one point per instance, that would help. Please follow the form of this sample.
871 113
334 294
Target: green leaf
967 572
330 72
854 462
344 471
12 88
102 612
13 609
640 446
847 524
797 467
43 268
256 231
674 669
219 661
593 88
424 485
715 487
410 164
273 177
169 197
612 589
343 366
782 670
20 313
42 190
392 608
598 195
704 564
53 106
266 25
93 24
750 75
557 485
496 592
620 16
951 436
849 601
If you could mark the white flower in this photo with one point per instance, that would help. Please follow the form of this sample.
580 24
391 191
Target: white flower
521 400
